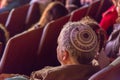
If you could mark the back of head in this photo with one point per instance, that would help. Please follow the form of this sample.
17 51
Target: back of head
80 41
98 30
53 11
72 5
73 2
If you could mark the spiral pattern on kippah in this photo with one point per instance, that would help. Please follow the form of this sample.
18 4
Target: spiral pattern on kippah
83 38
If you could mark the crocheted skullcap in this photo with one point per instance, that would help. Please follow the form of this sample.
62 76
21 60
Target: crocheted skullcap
81 36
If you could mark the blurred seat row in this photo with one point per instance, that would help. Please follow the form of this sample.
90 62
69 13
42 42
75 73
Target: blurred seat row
32 50
19 19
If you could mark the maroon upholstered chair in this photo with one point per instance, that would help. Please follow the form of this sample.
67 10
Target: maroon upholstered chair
47 48
16 20
21 52
77 14
111 72
104 5
33 15
3 17
92 10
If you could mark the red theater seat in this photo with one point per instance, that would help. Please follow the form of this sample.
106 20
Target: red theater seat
16 20
47 48
111 72
79 13
20 53
93 8
33 15
3 17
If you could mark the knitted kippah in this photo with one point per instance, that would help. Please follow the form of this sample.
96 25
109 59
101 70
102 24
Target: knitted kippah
83 38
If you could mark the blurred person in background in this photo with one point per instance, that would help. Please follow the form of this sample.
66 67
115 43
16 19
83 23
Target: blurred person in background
7 5
53 11
109 17
86 2
72 5
42 4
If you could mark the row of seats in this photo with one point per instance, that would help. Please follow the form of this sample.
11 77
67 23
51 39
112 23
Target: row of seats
93 10
20 19
111 72
28 51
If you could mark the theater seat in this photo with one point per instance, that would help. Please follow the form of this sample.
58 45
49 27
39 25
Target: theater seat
20 53
104 5
16 20
92 10
111 72
33 15
47 48
3 17
77 14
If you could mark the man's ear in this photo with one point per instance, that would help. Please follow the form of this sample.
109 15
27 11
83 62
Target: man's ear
65 55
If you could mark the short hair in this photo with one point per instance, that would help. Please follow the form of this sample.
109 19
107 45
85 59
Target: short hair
53 11
80 41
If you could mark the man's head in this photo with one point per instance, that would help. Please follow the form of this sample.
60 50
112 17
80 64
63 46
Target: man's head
77 43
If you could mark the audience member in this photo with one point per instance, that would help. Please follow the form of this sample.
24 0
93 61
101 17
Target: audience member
40 1
113 44
0 3
72 5
43 4
53 11
77 46
63 1
4 36
109 18
98 30
86 2
100 59
7 5
3 3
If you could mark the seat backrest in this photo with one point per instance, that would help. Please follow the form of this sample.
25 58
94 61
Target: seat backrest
111 72
20 53
93 7
3 17
77 14
16 20
33 15
104 5
47 48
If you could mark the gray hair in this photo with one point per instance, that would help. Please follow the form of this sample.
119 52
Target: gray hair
80 41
